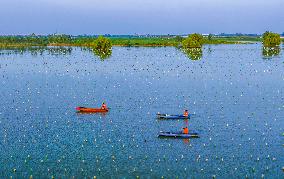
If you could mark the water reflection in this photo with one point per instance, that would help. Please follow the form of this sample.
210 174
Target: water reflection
34 51
186 141
269 52
186 122
102 54
102 114
51 50
209 50
193 53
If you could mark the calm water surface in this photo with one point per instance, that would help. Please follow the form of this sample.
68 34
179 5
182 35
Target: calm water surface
237 98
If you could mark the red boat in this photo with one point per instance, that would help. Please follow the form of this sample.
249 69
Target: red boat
91 110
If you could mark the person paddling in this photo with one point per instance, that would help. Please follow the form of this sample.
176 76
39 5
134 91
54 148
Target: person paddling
185 113
185 130
104 106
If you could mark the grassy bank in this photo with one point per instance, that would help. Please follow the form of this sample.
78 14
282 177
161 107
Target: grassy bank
85 41
154 41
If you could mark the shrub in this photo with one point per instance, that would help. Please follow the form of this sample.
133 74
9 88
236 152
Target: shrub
102 47
270 39
193 41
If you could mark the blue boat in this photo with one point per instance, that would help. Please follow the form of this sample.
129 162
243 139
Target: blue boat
179 135
168 116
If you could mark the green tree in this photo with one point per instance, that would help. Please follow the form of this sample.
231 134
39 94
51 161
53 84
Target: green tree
270 39
128 43
102 47
193 41
210 36
179 38
59 38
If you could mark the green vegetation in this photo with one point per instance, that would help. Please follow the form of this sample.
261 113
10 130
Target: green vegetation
102 47
193 41
192 46
270 39
146 41
36 40
179 38
59 39
210 37
271 42
86 41
19 41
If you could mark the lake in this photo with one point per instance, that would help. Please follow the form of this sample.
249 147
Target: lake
235 95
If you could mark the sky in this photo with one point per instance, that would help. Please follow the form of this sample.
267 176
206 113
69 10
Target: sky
140 16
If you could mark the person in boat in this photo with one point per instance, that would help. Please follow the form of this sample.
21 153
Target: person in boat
185 130
185 113
104 106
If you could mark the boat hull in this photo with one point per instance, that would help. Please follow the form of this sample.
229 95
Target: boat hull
166 116
179 135
91 110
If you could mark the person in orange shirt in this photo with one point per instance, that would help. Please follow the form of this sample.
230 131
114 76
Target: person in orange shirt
104 106
185 113
185 130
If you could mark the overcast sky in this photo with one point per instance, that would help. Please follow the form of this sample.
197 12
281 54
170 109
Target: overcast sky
140 16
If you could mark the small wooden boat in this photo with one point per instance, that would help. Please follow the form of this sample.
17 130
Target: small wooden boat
169 116
179 135
91 110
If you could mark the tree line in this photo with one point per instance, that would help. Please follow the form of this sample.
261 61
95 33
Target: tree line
102 46
192 45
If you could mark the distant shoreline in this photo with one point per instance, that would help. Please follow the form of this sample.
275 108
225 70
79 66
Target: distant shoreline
22 42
